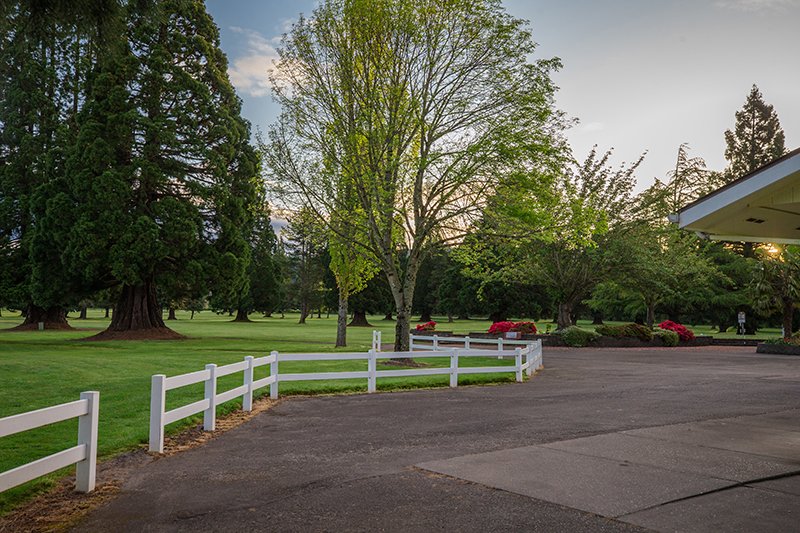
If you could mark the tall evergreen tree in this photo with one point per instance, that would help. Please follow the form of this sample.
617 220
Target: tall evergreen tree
757 137
40 92
162 178
304 243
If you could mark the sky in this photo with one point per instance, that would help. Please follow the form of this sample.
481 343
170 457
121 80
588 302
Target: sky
639 75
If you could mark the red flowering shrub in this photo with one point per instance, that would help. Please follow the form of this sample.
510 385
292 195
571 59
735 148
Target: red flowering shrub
505 327
524 327
501 327
427 326
683 332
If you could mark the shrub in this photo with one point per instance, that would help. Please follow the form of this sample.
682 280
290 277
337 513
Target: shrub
524 327
427 326
626 330
577 337
506 326
683 332
667 337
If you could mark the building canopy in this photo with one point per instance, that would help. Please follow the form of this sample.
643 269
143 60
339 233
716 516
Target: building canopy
763 206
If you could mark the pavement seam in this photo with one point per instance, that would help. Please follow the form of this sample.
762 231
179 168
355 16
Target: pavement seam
426 472
550 446
713 491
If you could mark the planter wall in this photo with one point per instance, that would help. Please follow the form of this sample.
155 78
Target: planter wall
778 349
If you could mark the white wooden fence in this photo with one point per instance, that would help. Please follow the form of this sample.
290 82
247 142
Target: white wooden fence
526 359
84 454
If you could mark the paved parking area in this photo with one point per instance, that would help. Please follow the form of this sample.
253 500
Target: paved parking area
700 439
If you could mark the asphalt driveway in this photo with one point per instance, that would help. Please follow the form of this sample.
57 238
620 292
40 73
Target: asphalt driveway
699 439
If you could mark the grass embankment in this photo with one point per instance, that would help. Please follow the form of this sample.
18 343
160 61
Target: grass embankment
40 369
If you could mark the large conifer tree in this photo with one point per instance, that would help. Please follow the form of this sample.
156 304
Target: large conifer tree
757 137
40 92
162 178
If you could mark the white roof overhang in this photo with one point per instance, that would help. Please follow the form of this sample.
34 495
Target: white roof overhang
763 206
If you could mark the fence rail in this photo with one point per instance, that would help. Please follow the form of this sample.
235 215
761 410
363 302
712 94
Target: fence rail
526 359
84 455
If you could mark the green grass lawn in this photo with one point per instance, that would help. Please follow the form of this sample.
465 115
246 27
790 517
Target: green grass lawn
40 369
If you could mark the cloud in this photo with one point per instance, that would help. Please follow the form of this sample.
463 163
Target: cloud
756 5
250 72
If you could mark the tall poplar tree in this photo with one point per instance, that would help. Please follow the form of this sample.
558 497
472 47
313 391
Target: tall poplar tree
757 137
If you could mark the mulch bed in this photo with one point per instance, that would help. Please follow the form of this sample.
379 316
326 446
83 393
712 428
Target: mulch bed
157 334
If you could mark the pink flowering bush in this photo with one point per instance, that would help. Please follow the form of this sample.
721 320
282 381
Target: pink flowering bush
427 326
684 333
506 326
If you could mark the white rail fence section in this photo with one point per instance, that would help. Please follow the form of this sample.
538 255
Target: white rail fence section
526 359
436 342
84 454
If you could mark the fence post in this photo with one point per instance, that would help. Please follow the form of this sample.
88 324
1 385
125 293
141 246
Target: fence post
87 435
210 414
500 346
454 368
530 357
410 342
372 365
539 344
157 403
435 342
273 370
377 340
466 342
247 397
518 363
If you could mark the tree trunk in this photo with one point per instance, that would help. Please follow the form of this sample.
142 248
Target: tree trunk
138 315
53 318
191 317
402 329
303 312
788 312
359 319
722 328
564 315
82 315
388 316
449 318
425 316
107 312
241 316
597 318
171 314
651 315
499 316
341 320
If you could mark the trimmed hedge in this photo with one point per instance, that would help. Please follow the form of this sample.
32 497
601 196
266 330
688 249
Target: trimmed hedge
577 337
637 331
667 337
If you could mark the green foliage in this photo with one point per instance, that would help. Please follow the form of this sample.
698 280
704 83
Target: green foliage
161 179
637 331
757 137
667 338
577 337
425 107
777 282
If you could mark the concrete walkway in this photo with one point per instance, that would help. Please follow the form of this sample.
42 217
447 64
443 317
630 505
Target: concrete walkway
702 439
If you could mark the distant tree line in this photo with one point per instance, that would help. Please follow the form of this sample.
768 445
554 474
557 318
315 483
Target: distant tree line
419 157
